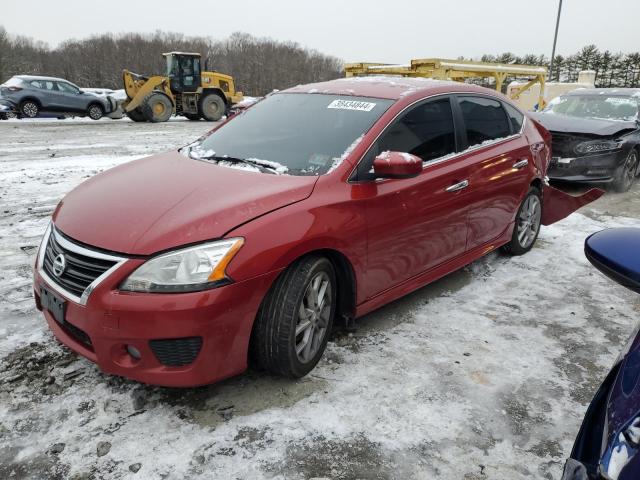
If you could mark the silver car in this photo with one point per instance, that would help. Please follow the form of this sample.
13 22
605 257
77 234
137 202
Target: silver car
30 96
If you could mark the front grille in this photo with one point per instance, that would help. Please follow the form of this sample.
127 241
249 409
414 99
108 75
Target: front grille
80 270
564 144
176 352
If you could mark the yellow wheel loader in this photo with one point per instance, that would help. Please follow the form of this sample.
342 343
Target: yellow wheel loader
184 90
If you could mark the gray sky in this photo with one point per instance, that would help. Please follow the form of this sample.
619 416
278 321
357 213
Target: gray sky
355 30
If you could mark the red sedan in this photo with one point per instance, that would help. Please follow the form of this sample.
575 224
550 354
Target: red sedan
318 203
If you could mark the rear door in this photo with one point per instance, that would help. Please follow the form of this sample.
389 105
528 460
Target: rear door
418 223
503 166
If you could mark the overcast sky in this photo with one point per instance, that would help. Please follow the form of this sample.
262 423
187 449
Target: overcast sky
354 30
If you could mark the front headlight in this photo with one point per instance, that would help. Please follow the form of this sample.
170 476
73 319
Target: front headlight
187 270
597 146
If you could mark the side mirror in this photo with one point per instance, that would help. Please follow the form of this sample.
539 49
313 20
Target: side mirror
397 165
615 253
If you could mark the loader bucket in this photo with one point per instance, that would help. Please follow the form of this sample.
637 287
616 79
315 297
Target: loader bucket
558 204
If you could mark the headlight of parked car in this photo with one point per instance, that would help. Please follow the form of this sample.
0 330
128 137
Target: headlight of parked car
187 270
597 146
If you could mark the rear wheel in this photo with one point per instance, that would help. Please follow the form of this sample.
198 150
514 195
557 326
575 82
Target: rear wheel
626 174
29 109
157 107
212 107
95 112
293 324
136 115
527 227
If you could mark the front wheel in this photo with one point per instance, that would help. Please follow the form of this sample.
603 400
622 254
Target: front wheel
293 324
95 112
626 175
157 107
527 225
136 115
212 107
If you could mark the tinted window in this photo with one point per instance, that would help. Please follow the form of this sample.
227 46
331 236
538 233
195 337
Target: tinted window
426 131
515 117
306 133
484 119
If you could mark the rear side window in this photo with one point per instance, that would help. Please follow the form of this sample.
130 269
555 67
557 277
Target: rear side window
515 117
485 120
43 84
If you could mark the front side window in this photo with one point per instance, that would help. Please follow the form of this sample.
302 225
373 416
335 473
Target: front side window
426 131
67 88
485 120
293 133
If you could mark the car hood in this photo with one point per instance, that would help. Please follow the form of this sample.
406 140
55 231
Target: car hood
169 200
594 126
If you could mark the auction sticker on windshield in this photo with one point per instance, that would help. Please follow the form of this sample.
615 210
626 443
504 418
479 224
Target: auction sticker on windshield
352 105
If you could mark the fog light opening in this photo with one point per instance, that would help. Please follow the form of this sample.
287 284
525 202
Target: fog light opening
134 352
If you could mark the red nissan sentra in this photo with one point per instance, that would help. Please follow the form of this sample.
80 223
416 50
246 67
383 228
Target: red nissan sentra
318 203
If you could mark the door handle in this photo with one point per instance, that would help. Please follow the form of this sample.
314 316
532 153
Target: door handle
458 186
520 164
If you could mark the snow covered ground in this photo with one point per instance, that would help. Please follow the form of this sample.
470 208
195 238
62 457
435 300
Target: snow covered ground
485 374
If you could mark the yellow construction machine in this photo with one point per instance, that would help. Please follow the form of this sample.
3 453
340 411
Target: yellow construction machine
184 90
459 70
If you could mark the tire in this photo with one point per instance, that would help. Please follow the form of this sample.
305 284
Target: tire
95 111
192 116
157 107
626 174
527 224
29 109
212 107
136 115
275 346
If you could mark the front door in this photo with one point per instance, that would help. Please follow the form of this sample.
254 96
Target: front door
414 224
71 98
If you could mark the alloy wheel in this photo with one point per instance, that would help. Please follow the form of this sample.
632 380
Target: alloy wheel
529 221
95 113
30 109
314 313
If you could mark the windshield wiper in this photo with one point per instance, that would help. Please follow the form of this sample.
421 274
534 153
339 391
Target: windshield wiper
245 161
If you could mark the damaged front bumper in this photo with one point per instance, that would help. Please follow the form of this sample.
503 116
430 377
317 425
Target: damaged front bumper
598 168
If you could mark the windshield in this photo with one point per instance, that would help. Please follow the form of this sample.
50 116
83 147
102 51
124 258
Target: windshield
595 106
297 134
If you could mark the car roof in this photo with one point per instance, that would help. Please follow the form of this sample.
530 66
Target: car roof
623 92
38 77
386 86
